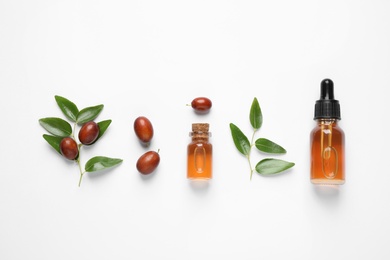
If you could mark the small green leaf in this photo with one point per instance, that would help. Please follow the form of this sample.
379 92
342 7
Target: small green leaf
56 126
54 141
89 114
103 125
67 107
240 140
100 163
271 166
255 115
268 146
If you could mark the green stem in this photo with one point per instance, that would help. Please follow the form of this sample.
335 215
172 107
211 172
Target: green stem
81 177
74 130
78 159
253 136
81 171
250 166
249 154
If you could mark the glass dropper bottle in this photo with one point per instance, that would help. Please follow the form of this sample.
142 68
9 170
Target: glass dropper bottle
327 139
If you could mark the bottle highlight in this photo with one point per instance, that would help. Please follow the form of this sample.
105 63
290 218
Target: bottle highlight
199 153
327 140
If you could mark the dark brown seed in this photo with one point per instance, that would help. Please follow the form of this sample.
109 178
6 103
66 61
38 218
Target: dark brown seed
202 104
148 162
143 129
68 148
89 132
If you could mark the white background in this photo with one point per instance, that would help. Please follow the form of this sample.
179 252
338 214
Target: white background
152 58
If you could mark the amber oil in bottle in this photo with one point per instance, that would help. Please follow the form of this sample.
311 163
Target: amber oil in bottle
199 153
327 140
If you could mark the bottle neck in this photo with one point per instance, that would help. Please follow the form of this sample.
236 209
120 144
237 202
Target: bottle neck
200 136
327 121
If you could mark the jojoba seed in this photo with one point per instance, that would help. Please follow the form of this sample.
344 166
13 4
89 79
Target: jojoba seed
143 129
69 148
89 132
201 104
148 162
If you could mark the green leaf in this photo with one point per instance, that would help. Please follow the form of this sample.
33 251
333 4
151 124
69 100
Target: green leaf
100 163
89 114
103 125
268 146
240 140
255 115
67 107
271 166
56 126
54 141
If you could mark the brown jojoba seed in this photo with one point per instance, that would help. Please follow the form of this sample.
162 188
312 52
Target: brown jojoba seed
148 162
69 148
89 132
143 129
201 104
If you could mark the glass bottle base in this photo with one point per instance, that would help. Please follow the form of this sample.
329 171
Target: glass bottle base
327 182
199 178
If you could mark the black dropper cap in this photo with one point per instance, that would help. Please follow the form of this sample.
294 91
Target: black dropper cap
327 107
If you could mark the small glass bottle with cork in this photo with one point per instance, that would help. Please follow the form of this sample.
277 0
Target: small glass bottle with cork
199 153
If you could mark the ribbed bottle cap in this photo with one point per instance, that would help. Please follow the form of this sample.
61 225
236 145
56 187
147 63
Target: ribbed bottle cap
327 107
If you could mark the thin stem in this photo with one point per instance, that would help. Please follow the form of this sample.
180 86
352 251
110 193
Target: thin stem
253 136
81 171
250 166
78 159
81 177
74 130
249 154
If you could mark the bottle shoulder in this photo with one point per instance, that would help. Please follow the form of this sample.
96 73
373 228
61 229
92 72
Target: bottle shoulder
326 128
199 142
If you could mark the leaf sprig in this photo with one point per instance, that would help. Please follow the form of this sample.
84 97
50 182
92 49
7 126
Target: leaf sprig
268 166
60 129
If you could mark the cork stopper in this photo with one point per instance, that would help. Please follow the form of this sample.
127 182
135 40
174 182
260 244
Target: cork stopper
200 130
200 127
